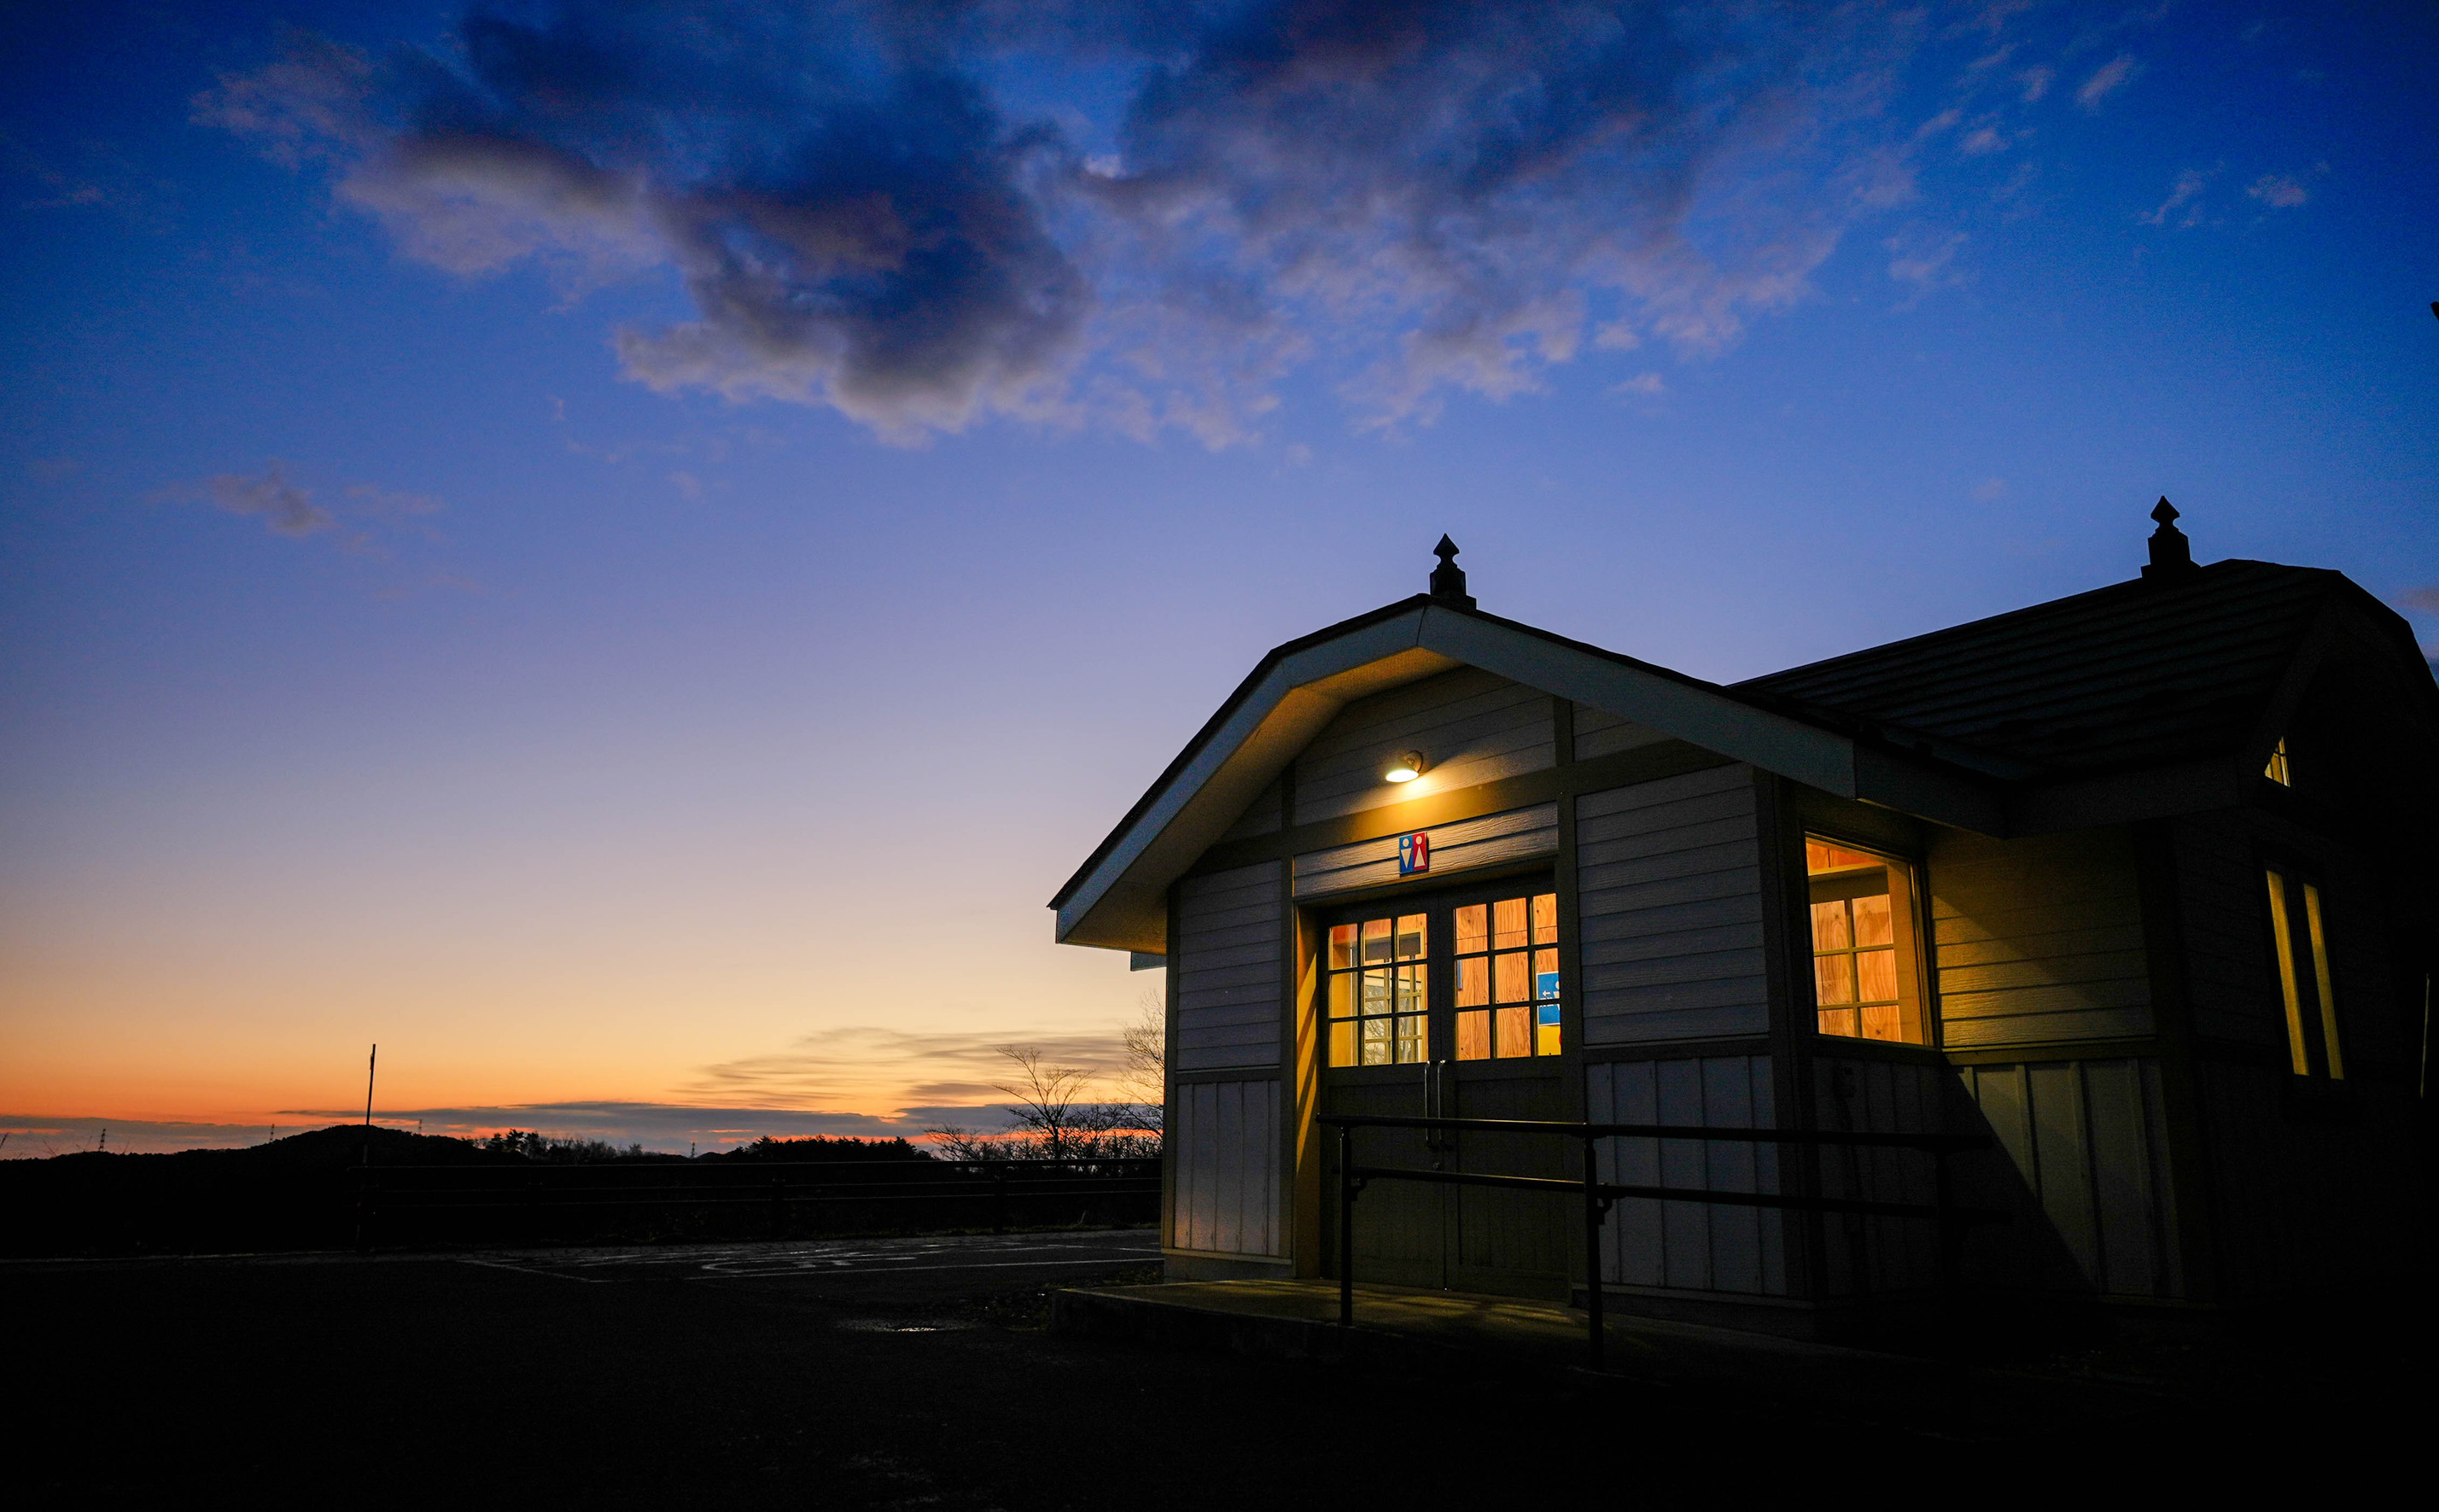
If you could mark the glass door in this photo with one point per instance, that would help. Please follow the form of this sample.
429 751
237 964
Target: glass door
1451 1004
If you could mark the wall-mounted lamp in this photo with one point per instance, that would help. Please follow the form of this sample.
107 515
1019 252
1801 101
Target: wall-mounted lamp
1406 767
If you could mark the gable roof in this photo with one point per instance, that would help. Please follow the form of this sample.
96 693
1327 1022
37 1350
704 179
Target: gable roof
2137 674
2009 724
1116 898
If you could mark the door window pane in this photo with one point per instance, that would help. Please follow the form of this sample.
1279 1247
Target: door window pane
1506 956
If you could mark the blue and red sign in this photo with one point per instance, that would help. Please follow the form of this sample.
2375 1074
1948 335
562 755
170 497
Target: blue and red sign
1414 853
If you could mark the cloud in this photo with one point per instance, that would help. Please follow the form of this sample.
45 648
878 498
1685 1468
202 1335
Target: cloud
1990 491
1643 385
2278 190
2036 82
1420 199
280 504
2184 195
2106 80
1980 141
2423 600
1924 258
874 1067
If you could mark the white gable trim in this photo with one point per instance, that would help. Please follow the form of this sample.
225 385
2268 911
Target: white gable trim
1120 904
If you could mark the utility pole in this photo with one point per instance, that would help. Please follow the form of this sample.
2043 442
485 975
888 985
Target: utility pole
372 1063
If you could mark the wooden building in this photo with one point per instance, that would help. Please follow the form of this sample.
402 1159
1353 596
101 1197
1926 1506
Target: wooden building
2137 881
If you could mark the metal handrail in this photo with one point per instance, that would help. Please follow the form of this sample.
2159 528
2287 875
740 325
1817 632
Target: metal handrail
1599 1195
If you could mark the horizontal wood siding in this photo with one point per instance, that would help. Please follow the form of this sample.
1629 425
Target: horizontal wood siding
1599 733
2039 939
1470 845
1689 1246
1668 878
1472 727
2086 1175
1226 1195
1228 970
1261 817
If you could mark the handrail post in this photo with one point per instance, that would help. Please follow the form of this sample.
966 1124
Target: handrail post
1952 1248
1346 1225
1593 1215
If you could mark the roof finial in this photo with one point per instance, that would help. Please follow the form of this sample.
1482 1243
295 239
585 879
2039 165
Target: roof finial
2171 553
1448 578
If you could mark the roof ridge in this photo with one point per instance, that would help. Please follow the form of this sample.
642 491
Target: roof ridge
2133 590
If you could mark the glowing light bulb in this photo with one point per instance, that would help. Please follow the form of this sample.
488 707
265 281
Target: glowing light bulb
1406 768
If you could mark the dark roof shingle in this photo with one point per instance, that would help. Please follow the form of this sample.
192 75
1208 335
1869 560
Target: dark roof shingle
2135 675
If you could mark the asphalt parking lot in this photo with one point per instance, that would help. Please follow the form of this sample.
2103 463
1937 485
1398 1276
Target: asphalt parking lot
851 1373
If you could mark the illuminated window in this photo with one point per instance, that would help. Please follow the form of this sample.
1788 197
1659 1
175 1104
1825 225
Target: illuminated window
1495 959
1865 965
1380 991
2310 1001
1507 978
2277 770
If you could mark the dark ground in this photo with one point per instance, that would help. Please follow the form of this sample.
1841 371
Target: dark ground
917 1374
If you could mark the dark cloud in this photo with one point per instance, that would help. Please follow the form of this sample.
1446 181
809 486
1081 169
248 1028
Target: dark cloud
280 504
1418 197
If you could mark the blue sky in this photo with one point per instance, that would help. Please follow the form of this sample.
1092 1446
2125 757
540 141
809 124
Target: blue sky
623 551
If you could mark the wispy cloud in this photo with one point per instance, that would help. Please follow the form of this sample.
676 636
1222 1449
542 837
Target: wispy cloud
1420 199
869 1067
2280 192
1923 259
2106 80
2183 202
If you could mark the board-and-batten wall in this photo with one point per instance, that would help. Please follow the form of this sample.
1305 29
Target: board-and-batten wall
1224 1131
1669 900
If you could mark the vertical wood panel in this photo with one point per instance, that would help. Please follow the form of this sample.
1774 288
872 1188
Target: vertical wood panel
1688 1246
1227 1184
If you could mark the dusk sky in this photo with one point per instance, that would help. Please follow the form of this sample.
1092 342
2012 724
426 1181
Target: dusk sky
624 550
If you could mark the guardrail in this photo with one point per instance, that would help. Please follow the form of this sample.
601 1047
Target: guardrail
1002 1189
1599 1196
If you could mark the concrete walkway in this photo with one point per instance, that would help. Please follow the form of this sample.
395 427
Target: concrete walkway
1398 1329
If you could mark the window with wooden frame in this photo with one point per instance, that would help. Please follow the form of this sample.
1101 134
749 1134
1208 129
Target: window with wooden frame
1380 991
1866 958
1490 953
2300 945
1507 978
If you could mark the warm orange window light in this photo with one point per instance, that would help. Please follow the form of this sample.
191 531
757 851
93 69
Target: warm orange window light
2278 771
1380 991
2312 1046
1507 978
1866 962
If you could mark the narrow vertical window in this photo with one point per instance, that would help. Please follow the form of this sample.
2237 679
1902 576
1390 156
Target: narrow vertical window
1865 969
2277 770
2282 939
2299 942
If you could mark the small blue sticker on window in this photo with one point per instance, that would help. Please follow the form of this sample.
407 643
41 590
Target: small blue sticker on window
1549 1014
1545 985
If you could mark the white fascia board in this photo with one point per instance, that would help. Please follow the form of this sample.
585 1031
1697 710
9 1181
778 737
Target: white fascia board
1817 757
1121 904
